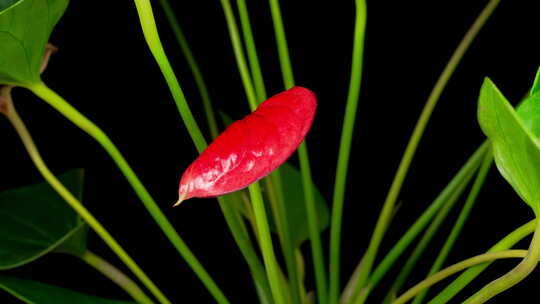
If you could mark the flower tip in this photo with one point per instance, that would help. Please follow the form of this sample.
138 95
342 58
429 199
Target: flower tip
180 200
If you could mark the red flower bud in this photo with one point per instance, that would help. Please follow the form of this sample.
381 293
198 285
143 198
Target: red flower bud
251 148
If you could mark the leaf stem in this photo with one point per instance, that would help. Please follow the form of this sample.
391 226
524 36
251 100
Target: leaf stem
11 113
239 54
421 246
234 221
465 278
148 24
193 66
267 248
251 50
388 206
58 103
514 276
272 182
457 184
283 50
288 80
115 275
437 277
345 148
463 215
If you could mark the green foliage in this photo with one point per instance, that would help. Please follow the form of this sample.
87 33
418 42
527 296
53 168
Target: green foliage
296 208
24 32
39 293
6 4
536 84
516 149
35 220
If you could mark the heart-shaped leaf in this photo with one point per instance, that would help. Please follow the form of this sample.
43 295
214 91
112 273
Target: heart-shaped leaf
24 32
515 147
35 220
40 293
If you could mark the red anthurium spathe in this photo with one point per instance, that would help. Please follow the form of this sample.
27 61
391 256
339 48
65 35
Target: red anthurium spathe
251 148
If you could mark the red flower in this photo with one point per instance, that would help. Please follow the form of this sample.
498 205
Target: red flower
251 148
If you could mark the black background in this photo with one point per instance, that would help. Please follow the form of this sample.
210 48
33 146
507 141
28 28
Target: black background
105 70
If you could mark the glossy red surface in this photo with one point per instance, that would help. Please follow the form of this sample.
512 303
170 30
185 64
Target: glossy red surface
251 148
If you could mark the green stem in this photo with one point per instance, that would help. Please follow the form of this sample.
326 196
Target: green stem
115 275
424 242
74 203
288 79
463 215
465 278
148 24
437 277
283 50
282 224
58 103
267 248
388 206
193 66
457 184
241 236
514 276
272 183
254 92
251 50
239 54
314 236
345 148
234 221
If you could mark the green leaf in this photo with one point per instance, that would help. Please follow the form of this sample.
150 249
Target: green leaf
295 206
515 148
24 32
6 4
35 220
40 293
536 84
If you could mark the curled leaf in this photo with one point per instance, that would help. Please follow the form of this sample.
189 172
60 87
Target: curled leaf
251 148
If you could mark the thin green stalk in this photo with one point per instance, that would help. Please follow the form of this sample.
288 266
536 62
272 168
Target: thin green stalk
58 103
282 224
388 206
463 215
458 182
267 248
288 79
514 276
115 275
232 217
74 203
345 149
283 50
424 242
273 183
470 262
316 246
148 24
465 278
253 92
251 50
241 236
193 66
239 54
